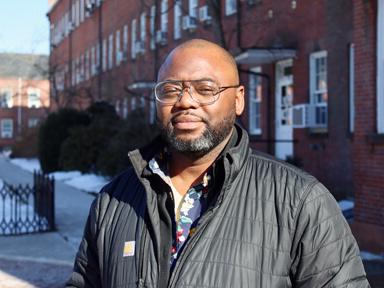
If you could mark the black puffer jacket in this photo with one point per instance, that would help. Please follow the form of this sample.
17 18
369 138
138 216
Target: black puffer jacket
271 225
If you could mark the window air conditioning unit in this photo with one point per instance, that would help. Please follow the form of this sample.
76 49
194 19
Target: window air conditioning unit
189 23
71 26
6 134
124 55
90 8
140 46
204 15
310 116
161 37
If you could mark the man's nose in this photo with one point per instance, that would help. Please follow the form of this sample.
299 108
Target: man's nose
185 99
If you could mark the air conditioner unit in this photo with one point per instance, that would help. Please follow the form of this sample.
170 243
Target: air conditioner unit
189 23
71 26
140 47
204 14
6 134
161 37
124 55
89 8
310 115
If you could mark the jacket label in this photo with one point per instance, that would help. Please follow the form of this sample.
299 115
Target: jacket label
129 249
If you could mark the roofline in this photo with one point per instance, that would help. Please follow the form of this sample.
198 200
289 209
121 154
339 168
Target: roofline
53 7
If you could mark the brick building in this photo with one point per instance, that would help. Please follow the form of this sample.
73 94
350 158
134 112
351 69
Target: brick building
24 94
294 58
368 142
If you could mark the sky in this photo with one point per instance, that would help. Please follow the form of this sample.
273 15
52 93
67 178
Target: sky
24 26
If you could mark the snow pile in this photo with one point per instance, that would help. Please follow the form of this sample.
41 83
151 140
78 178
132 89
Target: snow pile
85 182
26 164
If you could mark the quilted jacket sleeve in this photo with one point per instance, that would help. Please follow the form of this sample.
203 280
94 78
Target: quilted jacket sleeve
326 253
86 271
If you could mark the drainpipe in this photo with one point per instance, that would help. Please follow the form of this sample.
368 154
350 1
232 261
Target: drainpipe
19 105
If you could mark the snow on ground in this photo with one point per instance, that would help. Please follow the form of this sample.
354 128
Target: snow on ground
85 182
26 164
346 205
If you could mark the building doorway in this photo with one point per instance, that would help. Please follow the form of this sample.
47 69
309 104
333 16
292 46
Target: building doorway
284 101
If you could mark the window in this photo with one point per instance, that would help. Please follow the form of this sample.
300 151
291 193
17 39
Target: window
133 103
6 128
86 64
152 109
97 68
133 38
118 52
117 107
110 52
152 26
92 61
125 41
6 98
82 10
34 100
319 87
255 97
380 67
142 101
125 108
230 7
177 21
104 55
164 15
351 88
33 122
193 8
143 27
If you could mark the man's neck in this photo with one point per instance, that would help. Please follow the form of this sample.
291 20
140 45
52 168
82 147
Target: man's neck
187 170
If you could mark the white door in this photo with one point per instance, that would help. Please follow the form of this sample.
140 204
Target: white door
284 101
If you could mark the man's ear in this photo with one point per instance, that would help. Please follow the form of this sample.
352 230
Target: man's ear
239 101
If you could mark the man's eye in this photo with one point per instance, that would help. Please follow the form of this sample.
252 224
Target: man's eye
205 90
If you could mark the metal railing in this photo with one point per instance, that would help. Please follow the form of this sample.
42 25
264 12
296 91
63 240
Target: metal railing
25 209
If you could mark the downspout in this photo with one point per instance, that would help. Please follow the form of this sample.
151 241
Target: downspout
99 67
19 106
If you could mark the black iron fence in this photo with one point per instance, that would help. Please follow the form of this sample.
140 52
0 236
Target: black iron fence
25 209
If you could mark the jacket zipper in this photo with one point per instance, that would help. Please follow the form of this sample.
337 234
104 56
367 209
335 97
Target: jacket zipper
142 258
191 243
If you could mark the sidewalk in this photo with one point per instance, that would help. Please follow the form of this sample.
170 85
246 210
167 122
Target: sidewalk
53 249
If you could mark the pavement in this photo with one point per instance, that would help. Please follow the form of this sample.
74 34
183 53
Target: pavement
43 259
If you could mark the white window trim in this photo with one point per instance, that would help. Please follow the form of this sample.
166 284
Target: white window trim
3 123
37 92
312 59
380 66
230 7
10 90
118 48
351 88
177 21
152 27
256 131
192 8
133 38
110 51
164 15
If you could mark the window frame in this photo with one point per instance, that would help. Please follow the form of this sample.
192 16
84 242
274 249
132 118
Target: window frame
314 92
230 7
177 20
380 68
253 99
2 124
37 92
10 92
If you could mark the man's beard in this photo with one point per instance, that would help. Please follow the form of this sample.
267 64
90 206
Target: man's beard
200 146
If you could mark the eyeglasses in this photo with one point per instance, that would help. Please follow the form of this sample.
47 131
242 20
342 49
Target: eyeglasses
201 91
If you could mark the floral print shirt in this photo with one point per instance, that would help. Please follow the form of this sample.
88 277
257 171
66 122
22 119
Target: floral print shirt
192 205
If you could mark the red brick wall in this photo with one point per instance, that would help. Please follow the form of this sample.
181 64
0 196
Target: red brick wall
368 160
312 26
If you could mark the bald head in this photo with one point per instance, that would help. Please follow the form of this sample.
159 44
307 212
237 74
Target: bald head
202 48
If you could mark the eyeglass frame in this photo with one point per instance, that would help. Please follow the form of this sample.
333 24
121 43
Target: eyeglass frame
220 89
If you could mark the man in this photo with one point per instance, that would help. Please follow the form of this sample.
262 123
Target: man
201 209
